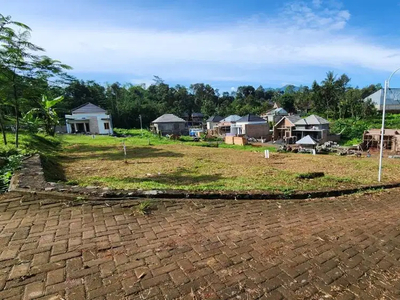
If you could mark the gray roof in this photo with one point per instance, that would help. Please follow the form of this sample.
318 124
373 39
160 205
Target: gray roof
250 118
312 120
307 140
231 118
278 112
293 118
169 118
88 108
215 119
392 98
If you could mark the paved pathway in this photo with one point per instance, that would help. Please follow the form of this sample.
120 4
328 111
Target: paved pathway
348 248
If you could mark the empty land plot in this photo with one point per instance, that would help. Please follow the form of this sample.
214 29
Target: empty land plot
101 162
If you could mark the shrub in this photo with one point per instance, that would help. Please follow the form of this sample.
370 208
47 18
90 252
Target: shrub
6 172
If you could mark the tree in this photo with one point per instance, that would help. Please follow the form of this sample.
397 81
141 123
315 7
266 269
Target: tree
287 101
46 114
14 53
23 73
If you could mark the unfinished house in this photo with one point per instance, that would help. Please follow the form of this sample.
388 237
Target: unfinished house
194 120
284 129
292 129
89 118
251 126
275 115
169 124
224 126
391 139
316 127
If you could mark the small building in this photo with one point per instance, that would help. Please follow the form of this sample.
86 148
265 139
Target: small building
392 100
213 122
283 129
169 124
307 142
275 115
194 120
316 127
89 118
224 126
391 139
251 126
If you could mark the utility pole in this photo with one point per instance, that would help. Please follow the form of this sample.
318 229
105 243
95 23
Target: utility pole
387 84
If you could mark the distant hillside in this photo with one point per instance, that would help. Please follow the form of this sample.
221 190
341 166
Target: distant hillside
283 89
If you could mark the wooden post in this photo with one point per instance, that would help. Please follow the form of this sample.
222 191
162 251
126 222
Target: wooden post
124 147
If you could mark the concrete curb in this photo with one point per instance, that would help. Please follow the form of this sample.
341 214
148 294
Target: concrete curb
29 180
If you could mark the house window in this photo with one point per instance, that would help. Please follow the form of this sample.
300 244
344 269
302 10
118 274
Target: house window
106 126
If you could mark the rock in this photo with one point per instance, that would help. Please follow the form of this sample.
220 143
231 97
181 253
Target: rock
52 183
106 188
153 192
92 187
49 189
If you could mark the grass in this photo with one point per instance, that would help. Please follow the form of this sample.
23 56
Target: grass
144 207
166 164
46 146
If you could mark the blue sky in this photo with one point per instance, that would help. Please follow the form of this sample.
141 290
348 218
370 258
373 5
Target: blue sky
224 43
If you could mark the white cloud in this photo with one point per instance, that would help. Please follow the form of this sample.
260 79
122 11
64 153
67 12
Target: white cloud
303 34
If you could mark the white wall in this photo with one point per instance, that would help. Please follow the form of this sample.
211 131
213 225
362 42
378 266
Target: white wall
87 116
211 125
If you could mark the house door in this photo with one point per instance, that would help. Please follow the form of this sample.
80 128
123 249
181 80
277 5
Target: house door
80 127
87 127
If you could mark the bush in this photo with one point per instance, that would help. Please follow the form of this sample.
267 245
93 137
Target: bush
352 130
6 151
6 172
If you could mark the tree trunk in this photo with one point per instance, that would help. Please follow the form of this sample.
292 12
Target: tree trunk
3 131
16 126
16 112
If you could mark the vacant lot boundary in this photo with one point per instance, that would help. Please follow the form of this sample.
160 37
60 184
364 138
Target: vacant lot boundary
30 180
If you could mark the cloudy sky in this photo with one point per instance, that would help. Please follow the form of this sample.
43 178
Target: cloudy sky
226 43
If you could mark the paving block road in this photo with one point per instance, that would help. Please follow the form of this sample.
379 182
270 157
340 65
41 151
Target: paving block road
333 248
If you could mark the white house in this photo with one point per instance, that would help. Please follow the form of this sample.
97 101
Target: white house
213 121
89 118
251 126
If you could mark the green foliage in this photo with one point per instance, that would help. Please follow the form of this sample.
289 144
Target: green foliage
45 116
352 130
6 172
24 76
144 207
8 150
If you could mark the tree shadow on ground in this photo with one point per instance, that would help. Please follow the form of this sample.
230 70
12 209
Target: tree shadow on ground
53 170
179 177
110 153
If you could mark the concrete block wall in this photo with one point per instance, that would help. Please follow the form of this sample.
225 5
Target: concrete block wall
258 131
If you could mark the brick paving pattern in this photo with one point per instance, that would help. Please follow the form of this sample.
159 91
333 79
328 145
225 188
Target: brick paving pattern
344 248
